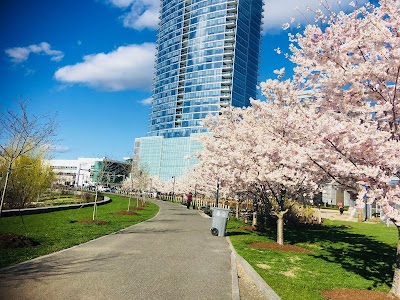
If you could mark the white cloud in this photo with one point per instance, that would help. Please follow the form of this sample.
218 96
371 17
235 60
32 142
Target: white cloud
128 67
57 148
137 19
147 101
142 13
121 3
276 13
21 54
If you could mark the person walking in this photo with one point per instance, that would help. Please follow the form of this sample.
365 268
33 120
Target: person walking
341 208
189 200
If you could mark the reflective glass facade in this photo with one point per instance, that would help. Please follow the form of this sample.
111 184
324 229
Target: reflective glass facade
166 158
207 58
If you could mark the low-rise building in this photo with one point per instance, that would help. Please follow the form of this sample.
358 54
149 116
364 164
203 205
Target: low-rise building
85 172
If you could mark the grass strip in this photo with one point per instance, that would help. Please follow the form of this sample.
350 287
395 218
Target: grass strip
343 255
60 230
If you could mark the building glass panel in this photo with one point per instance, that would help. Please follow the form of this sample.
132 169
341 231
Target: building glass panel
207 58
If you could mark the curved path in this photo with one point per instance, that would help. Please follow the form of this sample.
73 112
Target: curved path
172 256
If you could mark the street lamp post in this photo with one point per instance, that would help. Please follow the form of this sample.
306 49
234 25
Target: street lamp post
195 197
217 196
173 189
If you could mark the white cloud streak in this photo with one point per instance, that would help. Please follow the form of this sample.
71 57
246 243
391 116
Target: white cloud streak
128 67
142 13
59 148
21 54
277 13
121 3
147 101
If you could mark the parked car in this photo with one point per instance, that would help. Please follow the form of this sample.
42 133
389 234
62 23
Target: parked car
104 189
114 189
91 188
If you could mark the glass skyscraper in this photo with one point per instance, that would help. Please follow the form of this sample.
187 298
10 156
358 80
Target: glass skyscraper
207 58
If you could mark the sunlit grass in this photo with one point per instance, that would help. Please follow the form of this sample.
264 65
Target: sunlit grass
344 255
59 230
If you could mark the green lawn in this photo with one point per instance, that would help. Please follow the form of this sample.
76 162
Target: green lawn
59 230
344 255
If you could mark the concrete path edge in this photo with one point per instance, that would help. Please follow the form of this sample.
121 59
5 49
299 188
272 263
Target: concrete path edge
235 277
257 279
39 210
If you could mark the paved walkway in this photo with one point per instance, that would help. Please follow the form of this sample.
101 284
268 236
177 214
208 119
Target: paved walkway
334 214
173 256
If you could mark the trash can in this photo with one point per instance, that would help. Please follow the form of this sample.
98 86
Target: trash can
219 220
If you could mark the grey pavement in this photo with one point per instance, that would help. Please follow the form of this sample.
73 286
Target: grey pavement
172 256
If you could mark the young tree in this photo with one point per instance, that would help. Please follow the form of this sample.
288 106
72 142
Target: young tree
138 181
349 65
29 179
22 134
104 173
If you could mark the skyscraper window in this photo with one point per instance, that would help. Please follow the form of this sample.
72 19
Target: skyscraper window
207 58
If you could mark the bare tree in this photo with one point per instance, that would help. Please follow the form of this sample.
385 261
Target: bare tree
21 134
138 181
107 172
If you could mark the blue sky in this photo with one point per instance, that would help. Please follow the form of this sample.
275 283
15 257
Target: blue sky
91 63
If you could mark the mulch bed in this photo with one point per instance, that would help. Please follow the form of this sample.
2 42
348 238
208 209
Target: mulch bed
136 208
126 213
140 207
97 222
276 246
248 228
350 294
12 240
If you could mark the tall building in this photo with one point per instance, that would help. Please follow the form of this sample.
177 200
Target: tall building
207 58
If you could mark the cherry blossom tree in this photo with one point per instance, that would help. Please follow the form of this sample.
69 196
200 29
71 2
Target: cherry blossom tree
264 158
348 65
157 184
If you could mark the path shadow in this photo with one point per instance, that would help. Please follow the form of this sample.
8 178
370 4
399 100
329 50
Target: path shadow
233 233
54 265
151 230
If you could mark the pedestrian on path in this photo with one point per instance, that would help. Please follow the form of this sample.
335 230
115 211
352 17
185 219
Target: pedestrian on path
341 208
189 200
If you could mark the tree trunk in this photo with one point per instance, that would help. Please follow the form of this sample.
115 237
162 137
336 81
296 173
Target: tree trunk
254 219
395 290
360 215
95 204
319 216
279 226
237 210
5 187
279 231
